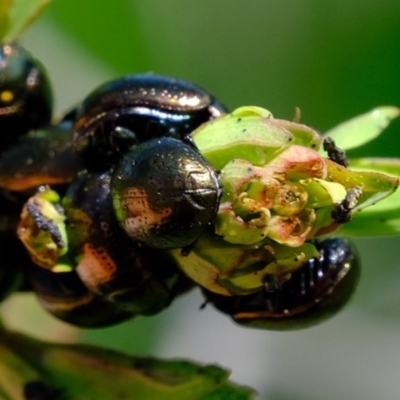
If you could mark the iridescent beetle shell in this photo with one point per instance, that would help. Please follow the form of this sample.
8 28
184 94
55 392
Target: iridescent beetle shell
312 294
137 108
165 193
44 156
26 99
112 278
65 296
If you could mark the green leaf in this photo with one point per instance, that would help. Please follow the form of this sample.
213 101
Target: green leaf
375 185
4 16
229 391
15 373
384 217
18 15
363 128
88 372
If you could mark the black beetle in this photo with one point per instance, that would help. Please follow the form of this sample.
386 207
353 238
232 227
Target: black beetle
165 193
112 278
66 297
26 103
26 99
43 156
136 108
132 136
33 151
312 294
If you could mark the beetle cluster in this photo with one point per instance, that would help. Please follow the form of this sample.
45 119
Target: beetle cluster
133 186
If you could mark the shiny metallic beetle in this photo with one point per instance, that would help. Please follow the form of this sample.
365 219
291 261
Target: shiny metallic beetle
32 152
26 99
142 281
312 294
165 193
137 108
25 103
142 172
111 279
44 156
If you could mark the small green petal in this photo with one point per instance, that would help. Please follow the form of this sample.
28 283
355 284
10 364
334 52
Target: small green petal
230 269
304 135
384 217
252 134
250 138
248 111
323 193
389 166
375 185
363 128
290 258
234 230
212 261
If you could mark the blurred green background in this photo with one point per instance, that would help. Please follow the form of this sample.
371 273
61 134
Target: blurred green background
334 60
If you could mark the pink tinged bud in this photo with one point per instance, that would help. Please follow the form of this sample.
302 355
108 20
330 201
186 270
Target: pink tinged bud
293 230
241 176
233 229
298 162
289 199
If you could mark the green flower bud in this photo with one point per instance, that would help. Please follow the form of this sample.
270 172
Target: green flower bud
279 192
